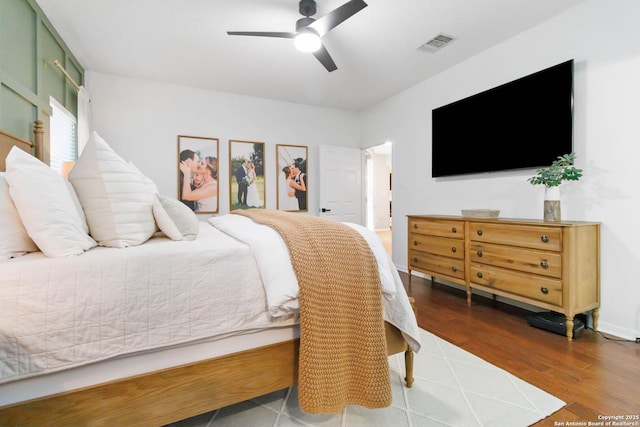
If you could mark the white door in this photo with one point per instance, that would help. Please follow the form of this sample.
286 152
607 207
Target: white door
341 192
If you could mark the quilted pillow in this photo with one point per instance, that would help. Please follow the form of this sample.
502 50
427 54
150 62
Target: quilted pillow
45 206
78 206
117 199
175 219
14 240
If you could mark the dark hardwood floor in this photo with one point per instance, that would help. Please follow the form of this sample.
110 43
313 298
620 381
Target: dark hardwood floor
595 376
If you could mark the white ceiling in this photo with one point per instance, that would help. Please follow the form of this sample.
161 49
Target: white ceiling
376 50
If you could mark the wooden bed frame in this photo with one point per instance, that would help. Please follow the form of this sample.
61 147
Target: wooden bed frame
7 141
173 394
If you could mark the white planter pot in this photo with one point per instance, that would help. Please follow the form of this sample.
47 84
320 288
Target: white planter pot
552 203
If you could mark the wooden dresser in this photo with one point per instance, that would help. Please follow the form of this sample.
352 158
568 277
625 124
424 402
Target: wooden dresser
550 265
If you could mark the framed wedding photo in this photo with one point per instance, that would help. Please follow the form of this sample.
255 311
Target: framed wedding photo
198 173
246 175
292 177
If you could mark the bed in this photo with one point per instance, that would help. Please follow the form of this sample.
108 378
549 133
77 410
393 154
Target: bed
172 364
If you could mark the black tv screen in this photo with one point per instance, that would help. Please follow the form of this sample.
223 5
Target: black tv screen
526 123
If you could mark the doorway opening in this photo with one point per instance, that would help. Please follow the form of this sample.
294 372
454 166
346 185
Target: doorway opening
378 191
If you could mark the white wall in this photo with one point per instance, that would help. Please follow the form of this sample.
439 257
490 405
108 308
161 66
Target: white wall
603 38
141 121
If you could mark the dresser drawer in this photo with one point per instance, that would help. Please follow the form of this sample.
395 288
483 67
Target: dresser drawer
545 238
439 265
437 245
539 288
437 227
533 261
550 265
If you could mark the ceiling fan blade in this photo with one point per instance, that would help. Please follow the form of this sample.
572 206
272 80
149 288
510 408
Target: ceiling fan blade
325 59
334 18
262 34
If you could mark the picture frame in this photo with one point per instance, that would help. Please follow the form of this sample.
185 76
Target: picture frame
292 185
198 158
247 186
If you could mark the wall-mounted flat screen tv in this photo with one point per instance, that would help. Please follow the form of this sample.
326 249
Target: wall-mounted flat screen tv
526 123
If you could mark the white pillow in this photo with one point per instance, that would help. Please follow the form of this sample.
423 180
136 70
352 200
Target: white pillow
14 240
150 186
78 206
116 198
175 219
45 206
146 180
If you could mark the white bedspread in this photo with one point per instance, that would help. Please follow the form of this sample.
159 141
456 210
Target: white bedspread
58 313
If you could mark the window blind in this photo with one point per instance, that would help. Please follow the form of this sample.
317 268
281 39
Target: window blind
63 135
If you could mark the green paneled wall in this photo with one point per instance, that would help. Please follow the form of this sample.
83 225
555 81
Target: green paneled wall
19 114
18 41
52 79
28 43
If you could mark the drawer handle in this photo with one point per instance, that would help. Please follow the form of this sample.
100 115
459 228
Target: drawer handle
544 264
454 268
544 238
454 230
480 275
479 232
479 254
415 259
544 290
415 226
453 249
415 243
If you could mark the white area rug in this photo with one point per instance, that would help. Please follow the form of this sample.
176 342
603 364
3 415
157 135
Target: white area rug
452 388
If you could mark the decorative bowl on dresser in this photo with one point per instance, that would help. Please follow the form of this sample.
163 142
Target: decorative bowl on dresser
550 265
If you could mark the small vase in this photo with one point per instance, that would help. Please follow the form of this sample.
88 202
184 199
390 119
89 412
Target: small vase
552 203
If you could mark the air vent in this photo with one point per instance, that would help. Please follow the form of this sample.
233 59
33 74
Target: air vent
437 43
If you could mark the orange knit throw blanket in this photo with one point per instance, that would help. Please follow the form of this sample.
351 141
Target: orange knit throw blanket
343 354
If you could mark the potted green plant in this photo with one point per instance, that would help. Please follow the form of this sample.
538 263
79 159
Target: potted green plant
562 169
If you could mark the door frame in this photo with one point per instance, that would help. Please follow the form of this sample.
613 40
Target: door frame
369 179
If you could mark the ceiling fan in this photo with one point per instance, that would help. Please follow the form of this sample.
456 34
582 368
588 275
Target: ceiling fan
309 31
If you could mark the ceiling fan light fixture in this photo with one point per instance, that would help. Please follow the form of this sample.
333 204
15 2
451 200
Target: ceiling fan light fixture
310 30
307 41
